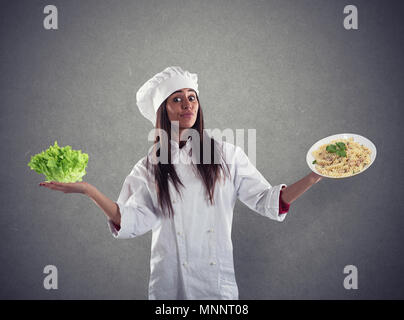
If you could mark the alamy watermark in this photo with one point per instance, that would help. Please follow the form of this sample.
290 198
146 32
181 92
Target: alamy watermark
351 280
351 20
50 22
51 280
232 137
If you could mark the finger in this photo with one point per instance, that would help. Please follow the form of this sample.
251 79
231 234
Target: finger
46 184
53 187
58 187
50 184
61 184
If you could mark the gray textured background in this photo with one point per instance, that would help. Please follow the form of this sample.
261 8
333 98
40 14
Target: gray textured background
286 68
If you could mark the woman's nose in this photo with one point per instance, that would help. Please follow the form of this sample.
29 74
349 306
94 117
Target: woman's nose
186 105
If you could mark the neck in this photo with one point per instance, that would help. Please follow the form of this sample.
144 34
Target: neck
176 137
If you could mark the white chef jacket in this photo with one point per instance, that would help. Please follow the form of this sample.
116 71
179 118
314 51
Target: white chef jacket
192 253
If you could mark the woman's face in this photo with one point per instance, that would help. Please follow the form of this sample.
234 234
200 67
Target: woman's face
182 106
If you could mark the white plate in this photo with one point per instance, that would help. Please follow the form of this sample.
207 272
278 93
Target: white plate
357 138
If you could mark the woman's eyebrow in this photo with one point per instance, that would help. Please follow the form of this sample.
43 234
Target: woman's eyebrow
179 91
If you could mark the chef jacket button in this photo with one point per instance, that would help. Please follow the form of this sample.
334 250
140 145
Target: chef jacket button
210 230
179 233
184 264
212 263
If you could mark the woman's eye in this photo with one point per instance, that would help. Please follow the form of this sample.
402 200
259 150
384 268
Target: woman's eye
178 99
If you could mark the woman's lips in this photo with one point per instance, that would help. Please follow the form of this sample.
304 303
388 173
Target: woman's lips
187 115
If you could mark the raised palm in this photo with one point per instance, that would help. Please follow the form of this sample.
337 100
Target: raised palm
66 187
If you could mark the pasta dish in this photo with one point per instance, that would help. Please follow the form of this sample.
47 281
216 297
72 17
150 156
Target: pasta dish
341 158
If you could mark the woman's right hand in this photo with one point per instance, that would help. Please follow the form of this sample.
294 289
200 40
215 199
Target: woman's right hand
67 187
110 208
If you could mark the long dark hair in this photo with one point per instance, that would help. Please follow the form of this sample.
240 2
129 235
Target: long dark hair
210 172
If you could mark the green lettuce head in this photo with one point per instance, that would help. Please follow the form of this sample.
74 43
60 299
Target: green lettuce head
60 164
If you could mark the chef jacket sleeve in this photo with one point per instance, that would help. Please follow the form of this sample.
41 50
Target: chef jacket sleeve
138 214
283 206
254 190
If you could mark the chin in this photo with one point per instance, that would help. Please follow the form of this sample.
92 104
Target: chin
187 124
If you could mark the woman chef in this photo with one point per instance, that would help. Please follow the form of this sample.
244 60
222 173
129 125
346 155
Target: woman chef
187 205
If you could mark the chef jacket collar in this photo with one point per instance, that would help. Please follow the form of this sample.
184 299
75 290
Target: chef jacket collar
185 148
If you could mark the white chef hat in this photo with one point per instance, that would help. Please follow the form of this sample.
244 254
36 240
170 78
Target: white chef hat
151 94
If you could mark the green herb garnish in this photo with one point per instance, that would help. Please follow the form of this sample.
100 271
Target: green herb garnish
338 148
314 162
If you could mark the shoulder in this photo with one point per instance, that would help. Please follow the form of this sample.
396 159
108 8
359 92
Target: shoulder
142 170
231 152
230 147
